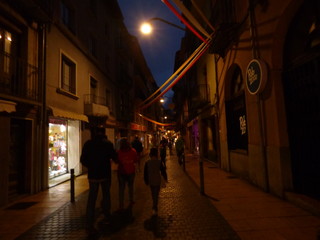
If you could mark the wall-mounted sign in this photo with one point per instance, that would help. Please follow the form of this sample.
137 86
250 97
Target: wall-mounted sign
137 127
256 76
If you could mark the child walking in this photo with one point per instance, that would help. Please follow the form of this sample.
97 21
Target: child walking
153 169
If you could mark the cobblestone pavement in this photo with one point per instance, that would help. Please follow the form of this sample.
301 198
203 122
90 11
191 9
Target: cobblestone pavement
183 214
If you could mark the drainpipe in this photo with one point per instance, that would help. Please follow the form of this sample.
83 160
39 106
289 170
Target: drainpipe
217 119
201 172
43 172
256 55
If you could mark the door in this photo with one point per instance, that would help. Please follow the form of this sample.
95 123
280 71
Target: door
302 86
17 178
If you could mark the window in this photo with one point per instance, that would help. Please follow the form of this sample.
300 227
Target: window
236 113
6 51
107 30
94 89
108 99
93 46
93 6
68 75
67 17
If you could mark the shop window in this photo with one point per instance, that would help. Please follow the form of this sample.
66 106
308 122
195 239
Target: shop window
57 148
236 113
68 75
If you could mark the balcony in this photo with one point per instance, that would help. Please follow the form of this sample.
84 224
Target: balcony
200 98
95 106
18 78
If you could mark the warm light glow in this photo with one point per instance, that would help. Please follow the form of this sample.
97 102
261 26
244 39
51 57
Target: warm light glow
146 28
162 100
165 117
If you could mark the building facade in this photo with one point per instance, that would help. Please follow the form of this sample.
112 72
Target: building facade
66 67
22 100
264 89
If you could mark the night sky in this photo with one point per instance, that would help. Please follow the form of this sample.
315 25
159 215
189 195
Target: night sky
160 47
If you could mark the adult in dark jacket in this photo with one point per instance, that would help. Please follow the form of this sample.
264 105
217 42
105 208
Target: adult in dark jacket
137 145
96 156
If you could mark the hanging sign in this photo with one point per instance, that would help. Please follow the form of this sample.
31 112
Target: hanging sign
256 76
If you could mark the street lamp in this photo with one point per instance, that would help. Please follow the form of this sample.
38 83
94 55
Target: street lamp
146 27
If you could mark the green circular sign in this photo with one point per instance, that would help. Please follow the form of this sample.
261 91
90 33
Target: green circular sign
256 76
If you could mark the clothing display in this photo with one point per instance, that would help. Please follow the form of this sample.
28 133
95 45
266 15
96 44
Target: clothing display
57 149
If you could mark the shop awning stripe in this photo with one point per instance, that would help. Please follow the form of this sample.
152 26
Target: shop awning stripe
57 112
7 106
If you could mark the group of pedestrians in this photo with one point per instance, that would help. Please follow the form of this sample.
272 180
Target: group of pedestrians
97 155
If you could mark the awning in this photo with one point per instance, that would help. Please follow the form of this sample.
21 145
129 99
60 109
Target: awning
7 106
57 112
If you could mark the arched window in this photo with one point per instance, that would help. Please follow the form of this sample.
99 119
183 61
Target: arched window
236 111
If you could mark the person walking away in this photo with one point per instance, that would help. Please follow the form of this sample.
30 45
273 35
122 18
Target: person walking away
127 159
153 170
96 157
137 145
179 148
170 143
163 150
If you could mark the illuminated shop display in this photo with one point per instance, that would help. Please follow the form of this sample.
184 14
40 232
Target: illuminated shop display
58 161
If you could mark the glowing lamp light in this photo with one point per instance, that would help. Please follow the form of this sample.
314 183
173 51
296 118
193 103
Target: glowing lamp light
146 28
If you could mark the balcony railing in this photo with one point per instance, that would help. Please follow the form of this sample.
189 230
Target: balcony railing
95 106
19 78
91 98
200 98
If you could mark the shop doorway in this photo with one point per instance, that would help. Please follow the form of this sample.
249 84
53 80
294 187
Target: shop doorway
209 138
20 150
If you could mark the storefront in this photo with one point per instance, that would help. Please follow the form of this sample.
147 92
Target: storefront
58 158
63 149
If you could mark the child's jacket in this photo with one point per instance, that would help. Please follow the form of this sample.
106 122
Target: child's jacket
153 169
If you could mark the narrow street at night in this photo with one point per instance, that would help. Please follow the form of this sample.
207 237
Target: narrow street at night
231 209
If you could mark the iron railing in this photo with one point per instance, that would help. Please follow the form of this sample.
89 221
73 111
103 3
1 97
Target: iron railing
91 98
19 78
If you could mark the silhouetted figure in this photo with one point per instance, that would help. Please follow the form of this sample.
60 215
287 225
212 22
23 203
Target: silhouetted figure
137 145
127 159
163 150
153 169
96 156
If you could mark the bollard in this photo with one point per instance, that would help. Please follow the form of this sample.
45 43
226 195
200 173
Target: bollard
201 177
184 161
72 185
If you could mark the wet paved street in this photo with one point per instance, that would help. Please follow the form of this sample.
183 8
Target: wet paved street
183 214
